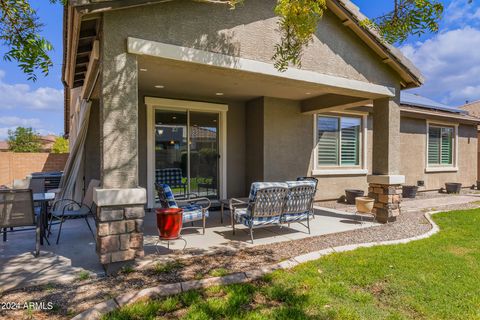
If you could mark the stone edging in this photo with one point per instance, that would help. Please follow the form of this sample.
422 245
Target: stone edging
97 311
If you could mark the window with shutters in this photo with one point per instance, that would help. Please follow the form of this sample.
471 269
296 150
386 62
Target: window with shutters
441 143
338 141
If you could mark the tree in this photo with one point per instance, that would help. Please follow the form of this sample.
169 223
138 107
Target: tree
20 28
24 140
60 145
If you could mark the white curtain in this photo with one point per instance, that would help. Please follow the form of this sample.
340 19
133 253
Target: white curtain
71 184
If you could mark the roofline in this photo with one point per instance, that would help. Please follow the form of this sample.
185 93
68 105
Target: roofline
469 104
411 76
412 110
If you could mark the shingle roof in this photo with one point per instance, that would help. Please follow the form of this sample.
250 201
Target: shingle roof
415 100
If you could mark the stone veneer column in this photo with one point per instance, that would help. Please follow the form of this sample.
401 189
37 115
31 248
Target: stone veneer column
385 182
120 201
120 216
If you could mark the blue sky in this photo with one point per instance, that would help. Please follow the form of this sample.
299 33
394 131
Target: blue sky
450 61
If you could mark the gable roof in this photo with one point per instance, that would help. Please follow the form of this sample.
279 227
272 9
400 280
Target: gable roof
473 108
415 100
349 14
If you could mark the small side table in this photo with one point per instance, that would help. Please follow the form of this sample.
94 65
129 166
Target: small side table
226 202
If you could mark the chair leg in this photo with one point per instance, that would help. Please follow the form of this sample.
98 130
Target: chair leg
60 229
308 225
204 222
251 233
88 224
37 239
4 234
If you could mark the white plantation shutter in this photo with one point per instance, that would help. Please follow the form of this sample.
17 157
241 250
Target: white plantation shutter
328 137
447 137
434 145
350 133
440 145
338 141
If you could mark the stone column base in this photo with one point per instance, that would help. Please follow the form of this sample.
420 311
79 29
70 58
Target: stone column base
387 201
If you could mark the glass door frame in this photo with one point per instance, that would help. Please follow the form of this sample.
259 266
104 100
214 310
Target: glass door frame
153 104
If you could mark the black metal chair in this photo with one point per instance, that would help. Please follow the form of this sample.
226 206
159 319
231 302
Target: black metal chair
64 209
16 211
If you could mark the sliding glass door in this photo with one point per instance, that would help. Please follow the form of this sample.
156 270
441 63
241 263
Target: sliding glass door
187 152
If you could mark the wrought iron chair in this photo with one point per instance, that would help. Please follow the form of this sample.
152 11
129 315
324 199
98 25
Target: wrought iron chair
315 180
16 210
265 206
192 210
64 209
299 203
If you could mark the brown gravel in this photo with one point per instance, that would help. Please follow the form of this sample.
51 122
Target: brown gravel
76 297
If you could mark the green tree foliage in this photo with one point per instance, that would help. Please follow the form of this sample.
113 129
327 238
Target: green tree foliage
60 145
20 28
24 140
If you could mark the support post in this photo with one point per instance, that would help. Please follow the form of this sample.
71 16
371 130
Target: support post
385 183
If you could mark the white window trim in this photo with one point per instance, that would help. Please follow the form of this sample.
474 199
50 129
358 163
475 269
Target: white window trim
170 104
442 168
339 170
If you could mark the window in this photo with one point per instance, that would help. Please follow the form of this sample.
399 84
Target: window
338 141
440 145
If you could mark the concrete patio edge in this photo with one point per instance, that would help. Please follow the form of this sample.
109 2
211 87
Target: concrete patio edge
99 310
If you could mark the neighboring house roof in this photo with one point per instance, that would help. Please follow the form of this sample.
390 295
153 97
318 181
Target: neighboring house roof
4 146
415 100
473 108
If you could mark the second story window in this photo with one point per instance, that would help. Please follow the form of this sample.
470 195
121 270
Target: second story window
338 141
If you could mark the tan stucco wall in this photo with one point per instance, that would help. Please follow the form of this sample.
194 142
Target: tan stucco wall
92 146
250 31
413 155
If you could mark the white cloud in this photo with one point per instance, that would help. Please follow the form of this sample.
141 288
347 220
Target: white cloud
11 123
461 13
22 96
450 61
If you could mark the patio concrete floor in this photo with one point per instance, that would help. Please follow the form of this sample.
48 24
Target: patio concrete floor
76 251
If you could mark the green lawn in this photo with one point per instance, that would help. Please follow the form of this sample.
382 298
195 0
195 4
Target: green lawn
435 278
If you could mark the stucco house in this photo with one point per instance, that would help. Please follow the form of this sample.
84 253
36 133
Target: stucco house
473 109
141 76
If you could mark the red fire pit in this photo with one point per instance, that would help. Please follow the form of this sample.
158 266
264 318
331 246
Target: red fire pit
169 223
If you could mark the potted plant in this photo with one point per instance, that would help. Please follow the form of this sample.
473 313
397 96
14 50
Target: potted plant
409 191
351 194
453 187
169 223
364 204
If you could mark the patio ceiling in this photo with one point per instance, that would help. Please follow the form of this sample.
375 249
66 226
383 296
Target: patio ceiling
184 79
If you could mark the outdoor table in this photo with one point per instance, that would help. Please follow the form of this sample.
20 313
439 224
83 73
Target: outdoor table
43 199
226 202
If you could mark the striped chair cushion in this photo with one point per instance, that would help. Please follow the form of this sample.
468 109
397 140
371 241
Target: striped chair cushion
294 217
170 176
169 196
192 212
301 183
241 216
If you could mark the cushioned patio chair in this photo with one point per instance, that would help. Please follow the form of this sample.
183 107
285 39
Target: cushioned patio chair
16 210
265 206
315 180
299 203
192 209
64 209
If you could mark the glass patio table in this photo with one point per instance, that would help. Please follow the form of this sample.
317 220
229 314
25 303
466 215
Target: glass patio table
43 199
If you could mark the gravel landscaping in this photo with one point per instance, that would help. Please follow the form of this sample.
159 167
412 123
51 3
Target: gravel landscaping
85 292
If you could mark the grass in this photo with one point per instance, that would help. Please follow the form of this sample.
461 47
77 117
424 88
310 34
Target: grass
167 267
83 275
435 278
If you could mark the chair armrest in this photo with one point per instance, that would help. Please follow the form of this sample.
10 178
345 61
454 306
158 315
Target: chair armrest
191 201
234 203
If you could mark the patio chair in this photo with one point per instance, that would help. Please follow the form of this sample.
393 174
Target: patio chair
315 180
16 210
299 203
265 206
173 177
64 209
192 210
